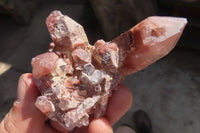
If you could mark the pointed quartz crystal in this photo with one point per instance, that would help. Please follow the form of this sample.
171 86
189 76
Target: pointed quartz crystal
64 31
148 41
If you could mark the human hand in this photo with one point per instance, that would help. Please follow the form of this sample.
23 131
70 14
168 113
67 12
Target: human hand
24 117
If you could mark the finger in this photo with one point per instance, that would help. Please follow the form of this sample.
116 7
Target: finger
48 129
149 41
119 104
58 127
24 116
83 129
100 125
63 130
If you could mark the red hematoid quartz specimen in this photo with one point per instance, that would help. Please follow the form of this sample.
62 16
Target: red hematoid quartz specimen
76 79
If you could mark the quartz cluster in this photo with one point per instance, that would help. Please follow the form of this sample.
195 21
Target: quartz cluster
76 79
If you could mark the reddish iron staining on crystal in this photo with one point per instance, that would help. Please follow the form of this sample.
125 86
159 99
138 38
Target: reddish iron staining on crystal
44 64
72 83
79 43
76 79
101 47
81 56
51 21
68 68
43 83
45 105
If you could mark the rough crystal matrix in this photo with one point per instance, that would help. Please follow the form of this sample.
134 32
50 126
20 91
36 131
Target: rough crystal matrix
76 79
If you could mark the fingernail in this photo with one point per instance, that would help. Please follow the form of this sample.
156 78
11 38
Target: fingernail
21 89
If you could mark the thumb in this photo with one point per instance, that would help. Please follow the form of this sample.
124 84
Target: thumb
24 117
